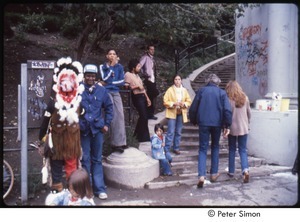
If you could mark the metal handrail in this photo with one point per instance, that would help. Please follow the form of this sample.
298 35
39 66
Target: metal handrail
189 51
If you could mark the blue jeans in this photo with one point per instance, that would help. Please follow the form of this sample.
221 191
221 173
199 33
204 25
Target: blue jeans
92 146
204 133
242 141
164 165
174 133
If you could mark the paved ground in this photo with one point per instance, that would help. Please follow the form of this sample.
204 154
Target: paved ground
275 190
279 189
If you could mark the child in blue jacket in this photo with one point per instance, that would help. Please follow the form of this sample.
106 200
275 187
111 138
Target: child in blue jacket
157 150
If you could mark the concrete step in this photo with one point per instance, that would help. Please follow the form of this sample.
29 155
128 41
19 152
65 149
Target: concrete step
190 166
193 137
224 69
177 180
192 154
195 144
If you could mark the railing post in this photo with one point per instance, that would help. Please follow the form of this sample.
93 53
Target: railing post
176 61
189 55
216 47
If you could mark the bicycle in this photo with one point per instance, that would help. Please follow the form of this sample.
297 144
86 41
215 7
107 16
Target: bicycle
8 178
8 174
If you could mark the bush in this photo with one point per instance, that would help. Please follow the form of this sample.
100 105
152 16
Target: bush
14 18
71 28
33 23
131 141
52 23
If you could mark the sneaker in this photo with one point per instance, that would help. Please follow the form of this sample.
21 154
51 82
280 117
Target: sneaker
102 196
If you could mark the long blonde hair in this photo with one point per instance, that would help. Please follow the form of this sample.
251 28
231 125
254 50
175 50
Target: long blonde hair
236 93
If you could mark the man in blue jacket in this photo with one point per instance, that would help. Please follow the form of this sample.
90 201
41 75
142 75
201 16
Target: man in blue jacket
93 124
211 111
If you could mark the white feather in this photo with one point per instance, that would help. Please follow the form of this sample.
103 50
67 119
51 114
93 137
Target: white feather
50 142
44 174
80 77
54 87
78 66
80 89
55 78
56 69
68 60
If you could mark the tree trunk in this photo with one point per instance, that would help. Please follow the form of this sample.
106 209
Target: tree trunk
82 41
100 36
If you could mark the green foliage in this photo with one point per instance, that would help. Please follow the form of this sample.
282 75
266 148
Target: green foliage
168 72
33 23
175 25
240 9
34 179
71 27
52 23
20 37
34 182
130 139
14 18
180 23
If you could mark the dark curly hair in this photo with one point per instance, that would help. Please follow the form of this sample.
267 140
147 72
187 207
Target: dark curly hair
132 64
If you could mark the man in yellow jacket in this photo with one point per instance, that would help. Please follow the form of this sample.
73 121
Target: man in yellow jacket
177 101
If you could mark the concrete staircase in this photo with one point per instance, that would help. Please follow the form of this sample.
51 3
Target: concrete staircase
185 165
225 69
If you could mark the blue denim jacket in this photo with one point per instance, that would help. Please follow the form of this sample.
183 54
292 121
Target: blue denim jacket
157 150
92 104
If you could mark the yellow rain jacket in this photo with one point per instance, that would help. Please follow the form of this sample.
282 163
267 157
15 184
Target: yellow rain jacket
170 98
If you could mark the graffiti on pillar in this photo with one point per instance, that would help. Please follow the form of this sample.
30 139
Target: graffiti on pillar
253 55
39 83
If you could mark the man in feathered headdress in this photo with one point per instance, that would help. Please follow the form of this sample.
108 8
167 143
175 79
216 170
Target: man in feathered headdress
60 126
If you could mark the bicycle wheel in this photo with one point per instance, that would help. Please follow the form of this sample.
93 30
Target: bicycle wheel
8 178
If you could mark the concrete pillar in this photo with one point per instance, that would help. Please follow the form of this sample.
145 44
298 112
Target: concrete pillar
283 50
131 169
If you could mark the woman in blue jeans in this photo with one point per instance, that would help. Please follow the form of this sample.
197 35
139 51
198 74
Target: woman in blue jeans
239 128
177 101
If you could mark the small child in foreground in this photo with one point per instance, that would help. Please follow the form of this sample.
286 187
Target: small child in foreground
79 192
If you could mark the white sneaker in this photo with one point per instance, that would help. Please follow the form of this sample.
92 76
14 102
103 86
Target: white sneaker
102 196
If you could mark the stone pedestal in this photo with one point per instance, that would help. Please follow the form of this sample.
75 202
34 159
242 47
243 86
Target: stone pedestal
131 169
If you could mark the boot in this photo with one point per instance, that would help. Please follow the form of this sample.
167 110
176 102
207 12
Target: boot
57 187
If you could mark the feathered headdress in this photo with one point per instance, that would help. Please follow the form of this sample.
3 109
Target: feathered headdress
67 76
